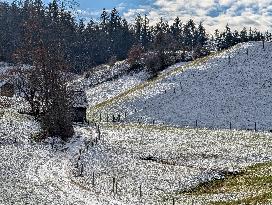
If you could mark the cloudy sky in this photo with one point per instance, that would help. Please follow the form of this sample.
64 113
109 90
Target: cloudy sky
214 13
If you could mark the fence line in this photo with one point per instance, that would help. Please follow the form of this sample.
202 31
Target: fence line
123 118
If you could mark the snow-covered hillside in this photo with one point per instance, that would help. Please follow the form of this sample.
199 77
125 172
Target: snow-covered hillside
164 161
232 87
135 163
36 173
109 89
160 160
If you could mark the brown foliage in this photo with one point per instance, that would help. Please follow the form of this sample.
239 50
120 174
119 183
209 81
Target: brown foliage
43 85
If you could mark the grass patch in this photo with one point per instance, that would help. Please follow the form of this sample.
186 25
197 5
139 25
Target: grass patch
252 200
255 181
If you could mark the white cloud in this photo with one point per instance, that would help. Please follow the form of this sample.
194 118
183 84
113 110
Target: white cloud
214 13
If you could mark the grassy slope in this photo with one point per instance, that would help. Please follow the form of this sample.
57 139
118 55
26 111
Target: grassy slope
255 182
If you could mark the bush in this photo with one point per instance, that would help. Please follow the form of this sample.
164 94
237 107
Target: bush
152 63
134 57
158 61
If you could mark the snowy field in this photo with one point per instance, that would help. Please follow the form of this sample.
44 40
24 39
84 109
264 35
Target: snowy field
160 160
165 161
234 87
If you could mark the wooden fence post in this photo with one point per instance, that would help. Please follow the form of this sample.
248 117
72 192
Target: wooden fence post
81 170
255 127
141 194
113 184
230 125
116 187
93 180
99 133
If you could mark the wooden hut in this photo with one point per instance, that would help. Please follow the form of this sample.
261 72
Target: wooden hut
7 89
80 105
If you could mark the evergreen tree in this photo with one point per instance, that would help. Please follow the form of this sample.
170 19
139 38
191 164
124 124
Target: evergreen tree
189 35
138 29
201 39
236 37
250 35
243 35
146 38
176 31
228 39
218 39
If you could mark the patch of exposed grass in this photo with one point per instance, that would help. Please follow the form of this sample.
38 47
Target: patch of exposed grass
255 182
263 198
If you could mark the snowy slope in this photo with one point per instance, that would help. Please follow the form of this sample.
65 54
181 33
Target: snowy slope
164 161
110 89
161 160
36 173
219 92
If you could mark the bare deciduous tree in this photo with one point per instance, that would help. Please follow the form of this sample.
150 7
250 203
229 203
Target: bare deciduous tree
44 84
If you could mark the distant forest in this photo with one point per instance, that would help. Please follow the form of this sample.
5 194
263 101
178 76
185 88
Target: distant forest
28 23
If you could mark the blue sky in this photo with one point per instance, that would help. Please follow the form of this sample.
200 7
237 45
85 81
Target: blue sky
213 13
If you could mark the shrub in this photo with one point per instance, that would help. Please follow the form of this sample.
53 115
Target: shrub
152 63
134 57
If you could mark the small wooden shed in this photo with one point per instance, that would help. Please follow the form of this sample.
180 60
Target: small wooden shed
80 105
7 89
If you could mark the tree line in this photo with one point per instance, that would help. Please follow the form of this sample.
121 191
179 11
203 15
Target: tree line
86 45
